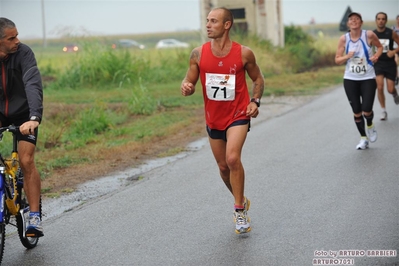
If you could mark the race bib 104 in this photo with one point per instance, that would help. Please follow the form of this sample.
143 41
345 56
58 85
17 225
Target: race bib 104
358 65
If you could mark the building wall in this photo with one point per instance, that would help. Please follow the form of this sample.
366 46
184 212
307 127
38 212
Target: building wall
262 17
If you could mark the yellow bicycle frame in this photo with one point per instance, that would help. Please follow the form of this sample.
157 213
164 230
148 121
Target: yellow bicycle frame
11 171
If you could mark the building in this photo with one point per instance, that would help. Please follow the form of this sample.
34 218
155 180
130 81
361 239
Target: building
260 17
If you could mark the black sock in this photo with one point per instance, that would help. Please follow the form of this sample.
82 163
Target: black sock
359 121
369 118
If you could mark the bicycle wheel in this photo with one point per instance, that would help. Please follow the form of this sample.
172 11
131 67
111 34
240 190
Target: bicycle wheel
2 238
23 216
2 224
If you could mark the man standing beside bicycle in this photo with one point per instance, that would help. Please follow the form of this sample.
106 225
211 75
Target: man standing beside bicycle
21 104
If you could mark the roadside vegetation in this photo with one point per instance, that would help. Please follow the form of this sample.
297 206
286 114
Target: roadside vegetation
101 102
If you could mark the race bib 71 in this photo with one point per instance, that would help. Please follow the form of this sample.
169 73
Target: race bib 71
220 87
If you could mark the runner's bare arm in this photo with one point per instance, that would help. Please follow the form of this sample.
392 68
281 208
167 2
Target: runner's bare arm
375 42
340 57
188 84
254 72
395 38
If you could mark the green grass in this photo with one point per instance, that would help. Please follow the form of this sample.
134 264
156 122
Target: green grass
304 83
100 99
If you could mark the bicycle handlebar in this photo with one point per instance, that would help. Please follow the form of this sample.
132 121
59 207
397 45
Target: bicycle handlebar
11 128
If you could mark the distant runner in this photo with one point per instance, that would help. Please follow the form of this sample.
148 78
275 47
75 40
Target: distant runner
355 50
385 67
395 45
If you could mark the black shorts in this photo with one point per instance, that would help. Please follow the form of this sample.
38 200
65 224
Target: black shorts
17 122
386 68
221 134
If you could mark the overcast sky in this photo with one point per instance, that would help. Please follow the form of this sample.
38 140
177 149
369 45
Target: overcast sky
110 17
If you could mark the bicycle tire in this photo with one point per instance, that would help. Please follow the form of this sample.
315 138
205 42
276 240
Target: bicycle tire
5 215
2 239
28 242
2 229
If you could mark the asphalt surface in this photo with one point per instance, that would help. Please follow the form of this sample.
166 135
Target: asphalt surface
312 194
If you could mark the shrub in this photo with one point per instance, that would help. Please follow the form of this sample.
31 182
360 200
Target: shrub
88 124
302 55
97 65
295 35
141 102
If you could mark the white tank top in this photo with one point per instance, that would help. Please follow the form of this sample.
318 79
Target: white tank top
359 67
396 29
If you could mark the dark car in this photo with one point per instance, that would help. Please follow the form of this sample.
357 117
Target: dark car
70 48
127 43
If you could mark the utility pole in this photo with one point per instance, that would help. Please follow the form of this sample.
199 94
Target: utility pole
44 26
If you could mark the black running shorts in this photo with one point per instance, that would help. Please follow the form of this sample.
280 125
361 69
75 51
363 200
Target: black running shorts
222 134
386 68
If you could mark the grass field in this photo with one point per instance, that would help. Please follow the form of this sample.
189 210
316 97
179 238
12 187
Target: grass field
101 105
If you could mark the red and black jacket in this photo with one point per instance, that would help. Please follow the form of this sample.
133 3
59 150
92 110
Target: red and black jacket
21 90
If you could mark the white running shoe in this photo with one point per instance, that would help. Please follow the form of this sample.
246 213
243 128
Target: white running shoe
242 220
384 116
363 144
372 133
34 228
247 203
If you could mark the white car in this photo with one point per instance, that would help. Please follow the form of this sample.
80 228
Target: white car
126 43
171 43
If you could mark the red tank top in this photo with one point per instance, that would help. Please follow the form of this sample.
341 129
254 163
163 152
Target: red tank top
224 88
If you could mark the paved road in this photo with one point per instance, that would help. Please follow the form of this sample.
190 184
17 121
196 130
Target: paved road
311 191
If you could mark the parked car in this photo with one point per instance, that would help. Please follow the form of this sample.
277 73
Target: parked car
126 43
70 48
171 43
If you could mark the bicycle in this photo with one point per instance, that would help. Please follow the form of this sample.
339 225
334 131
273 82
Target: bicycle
13 202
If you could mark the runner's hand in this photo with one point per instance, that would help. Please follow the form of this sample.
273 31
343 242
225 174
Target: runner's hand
187 88
252 110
